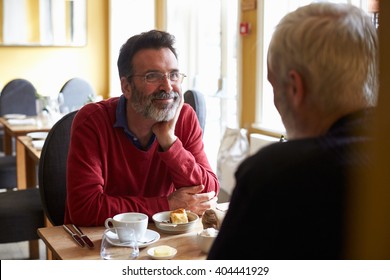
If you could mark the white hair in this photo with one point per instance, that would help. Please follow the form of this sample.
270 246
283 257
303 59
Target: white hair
335 49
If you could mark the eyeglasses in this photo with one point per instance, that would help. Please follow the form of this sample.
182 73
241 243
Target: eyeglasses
158 77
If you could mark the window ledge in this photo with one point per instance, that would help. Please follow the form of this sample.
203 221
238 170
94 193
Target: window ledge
261 129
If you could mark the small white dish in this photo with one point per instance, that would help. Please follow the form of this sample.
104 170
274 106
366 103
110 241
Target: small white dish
150 237
37 135
38 144
15 116
206 238
151 253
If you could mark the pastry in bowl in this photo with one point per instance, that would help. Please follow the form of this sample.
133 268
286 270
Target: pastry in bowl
179 216
177 224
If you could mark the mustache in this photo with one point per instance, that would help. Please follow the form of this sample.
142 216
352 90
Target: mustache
165 95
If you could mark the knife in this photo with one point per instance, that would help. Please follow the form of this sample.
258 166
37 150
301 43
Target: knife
84 237
76 238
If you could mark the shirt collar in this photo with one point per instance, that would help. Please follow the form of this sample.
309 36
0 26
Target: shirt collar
121 120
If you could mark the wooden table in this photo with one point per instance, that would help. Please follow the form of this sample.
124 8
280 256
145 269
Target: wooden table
63 247
13 131
27 159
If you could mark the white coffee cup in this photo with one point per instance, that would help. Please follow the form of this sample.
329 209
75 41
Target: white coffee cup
134 220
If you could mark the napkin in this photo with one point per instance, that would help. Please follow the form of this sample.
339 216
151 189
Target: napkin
21 121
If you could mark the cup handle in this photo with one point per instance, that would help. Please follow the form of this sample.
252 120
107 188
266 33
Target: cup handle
108 223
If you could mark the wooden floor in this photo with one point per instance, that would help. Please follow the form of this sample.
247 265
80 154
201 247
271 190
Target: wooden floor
19 251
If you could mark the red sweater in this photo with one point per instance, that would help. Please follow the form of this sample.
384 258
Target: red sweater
107 174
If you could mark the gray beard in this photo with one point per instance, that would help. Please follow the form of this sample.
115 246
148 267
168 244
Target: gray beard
145 106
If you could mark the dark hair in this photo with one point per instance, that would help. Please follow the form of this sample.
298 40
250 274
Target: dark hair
153 39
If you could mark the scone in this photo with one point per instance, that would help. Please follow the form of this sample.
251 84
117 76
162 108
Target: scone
179 216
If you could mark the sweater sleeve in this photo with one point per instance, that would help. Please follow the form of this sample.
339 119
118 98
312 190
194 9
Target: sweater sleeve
186 158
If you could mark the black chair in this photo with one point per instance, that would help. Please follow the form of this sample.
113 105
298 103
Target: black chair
76 92
21 214
8 179
52 169
17 97
197 101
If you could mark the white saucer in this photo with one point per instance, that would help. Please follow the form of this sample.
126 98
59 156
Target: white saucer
150 237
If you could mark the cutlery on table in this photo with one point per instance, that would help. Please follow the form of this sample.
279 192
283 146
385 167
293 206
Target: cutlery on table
84 237
75 237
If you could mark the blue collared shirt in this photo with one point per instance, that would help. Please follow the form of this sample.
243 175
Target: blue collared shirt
121 121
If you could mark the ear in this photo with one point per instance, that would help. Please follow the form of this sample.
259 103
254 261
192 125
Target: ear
296 88
126 88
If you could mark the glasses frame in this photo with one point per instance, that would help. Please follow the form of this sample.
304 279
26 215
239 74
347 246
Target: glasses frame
162 77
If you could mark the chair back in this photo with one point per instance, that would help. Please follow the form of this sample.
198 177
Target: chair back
197 101
76 93
52 169
8 175
18 97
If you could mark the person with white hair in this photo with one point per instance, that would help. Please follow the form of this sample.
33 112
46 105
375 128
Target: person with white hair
291 198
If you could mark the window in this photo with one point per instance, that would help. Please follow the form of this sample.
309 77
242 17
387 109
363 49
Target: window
269 14
206 40
127 18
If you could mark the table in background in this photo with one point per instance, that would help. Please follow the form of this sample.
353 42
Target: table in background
27 159
13 131
63 247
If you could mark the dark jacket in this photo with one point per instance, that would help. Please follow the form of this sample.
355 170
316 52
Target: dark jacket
291 198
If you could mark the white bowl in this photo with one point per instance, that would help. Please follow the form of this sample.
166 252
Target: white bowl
161 220
205 241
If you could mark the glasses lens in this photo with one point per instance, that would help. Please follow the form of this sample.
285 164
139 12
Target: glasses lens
174 76
157 77
153 77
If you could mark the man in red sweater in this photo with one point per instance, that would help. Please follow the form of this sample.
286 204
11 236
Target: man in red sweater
142 151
